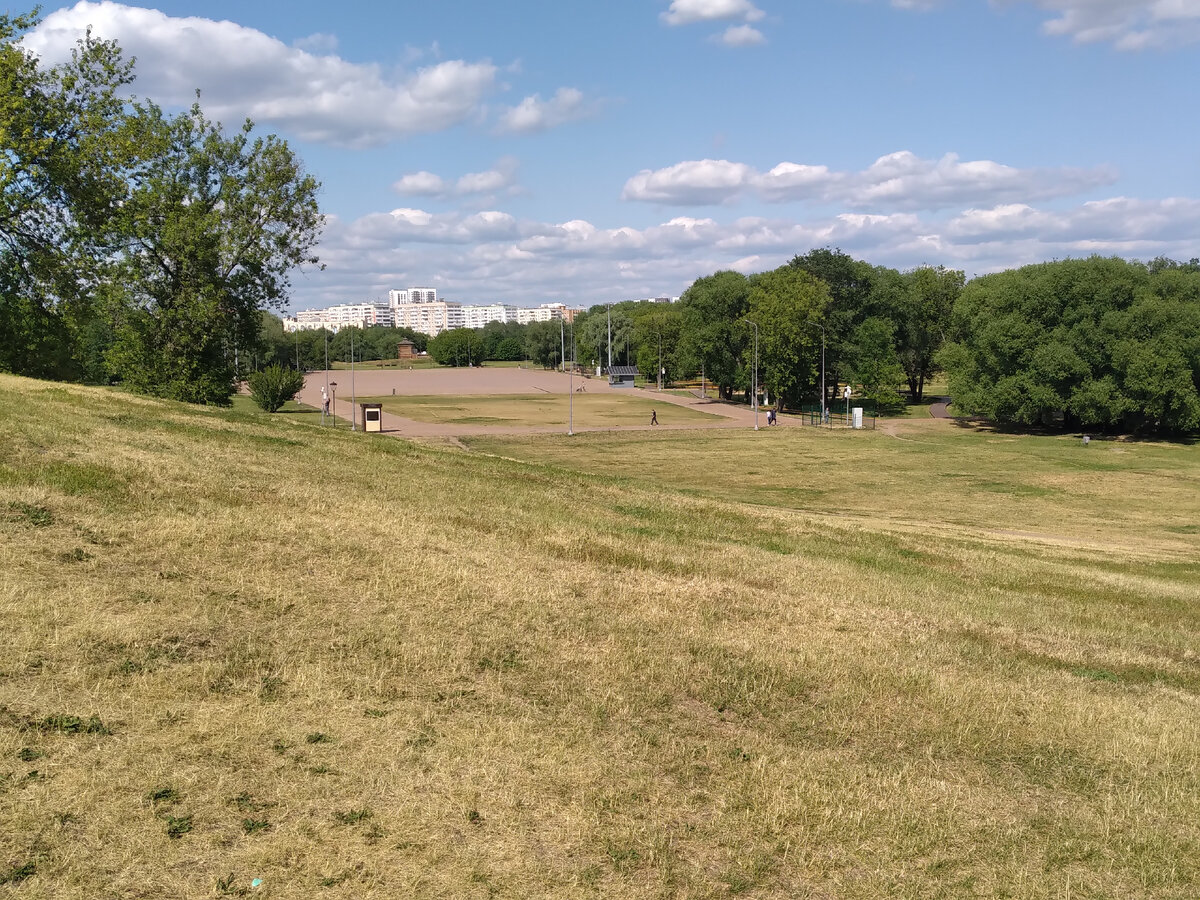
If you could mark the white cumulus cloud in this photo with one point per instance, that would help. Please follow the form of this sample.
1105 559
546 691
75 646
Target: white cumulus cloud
534 114
687 12
495 256
304 89
693 183
1126 24
742 36
899 180
500 179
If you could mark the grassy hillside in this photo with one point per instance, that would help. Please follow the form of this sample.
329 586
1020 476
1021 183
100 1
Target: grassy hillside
241 647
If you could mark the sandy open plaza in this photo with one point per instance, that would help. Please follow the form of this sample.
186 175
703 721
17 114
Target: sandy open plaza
502 381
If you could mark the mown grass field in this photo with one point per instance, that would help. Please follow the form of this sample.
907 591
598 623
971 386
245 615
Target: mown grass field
242 647
597 410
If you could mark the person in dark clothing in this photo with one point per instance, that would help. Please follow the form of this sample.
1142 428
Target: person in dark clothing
654 417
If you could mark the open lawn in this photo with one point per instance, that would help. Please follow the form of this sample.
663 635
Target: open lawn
595 410
817 665
931 477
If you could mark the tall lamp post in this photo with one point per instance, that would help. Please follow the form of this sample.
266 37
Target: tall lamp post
333 399
821 325
562 337
660 368
353 396
610 338
326 331
755 324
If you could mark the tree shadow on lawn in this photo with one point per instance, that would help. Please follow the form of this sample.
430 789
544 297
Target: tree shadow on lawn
978 423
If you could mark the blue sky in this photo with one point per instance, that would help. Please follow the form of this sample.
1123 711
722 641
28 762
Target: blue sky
534 151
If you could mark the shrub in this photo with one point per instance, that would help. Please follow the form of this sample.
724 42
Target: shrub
275 386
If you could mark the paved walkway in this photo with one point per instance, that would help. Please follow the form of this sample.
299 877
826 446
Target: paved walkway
486 381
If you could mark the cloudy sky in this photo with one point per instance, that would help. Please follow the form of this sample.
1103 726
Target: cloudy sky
539 150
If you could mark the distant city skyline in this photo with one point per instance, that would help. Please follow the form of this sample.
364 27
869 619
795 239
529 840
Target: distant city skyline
527 152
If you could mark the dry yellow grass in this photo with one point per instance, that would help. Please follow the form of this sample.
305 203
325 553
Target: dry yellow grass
354 667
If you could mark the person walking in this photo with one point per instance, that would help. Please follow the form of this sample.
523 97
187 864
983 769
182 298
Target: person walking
653 417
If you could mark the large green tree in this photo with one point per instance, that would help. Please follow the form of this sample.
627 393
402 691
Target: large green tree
788 305
713 338
1101 343
64 151
857 292
922 319
212 227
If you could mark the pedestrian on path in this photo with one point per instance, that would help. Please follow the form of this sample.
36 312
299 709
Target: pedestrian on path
653 417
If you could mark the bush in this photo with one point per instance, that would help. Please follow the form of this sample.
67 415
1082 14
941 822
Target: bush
275 386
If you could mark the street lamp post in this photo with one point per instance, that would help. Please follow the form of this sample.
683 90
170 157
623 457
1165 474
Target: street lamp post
323 409
660 368
821 325
562 337
333 398
755 324
353 395
610 337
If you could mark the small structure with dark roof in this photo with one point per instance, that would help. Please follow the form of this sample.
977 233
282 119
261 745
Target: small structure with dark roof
622 376
406 349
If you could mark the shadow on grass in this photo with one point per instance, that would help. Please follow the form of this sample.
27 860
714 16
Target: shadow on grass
979 423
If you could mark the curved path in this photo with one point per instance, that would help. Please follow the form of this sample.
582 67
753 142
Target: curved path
940 410
487 381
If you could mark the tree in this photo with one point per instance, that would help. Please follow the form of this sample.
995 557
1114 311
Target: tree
788 304
852 291
456 347
923 318
274 386
656 336
63 155
543 343
211 229
1100 343
872 363
713 338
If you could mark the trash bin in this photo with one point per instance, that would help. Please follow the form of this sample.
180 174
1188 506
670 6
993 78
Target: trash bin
372 417
857 416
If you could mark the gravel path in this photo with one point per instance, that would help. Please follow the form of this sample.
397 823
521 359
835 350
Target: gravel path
463 382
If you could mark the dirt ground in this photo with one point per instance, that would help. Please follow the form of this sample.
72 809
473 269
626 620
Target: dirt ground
486 381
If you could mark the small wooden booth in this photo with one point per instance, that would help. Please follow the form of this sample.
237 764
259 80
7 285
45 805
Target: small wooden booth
372 417
406 349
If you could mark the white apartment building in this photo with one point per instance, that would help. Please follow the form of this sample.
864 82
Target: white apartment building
428 317
334 318
478 316
545 313
413 295
420 309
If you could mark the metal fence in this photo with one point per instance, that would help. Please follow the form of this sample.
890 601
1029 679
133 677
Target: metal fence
839 414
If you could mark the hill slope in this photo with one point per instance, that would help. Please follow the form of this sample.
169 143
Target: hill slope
239 647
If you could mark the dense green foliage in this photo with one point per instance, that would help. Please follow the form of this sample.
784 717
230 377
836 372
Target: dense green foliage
135 245
64 149
274 386
212 225
880 329
1098 343
456 347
